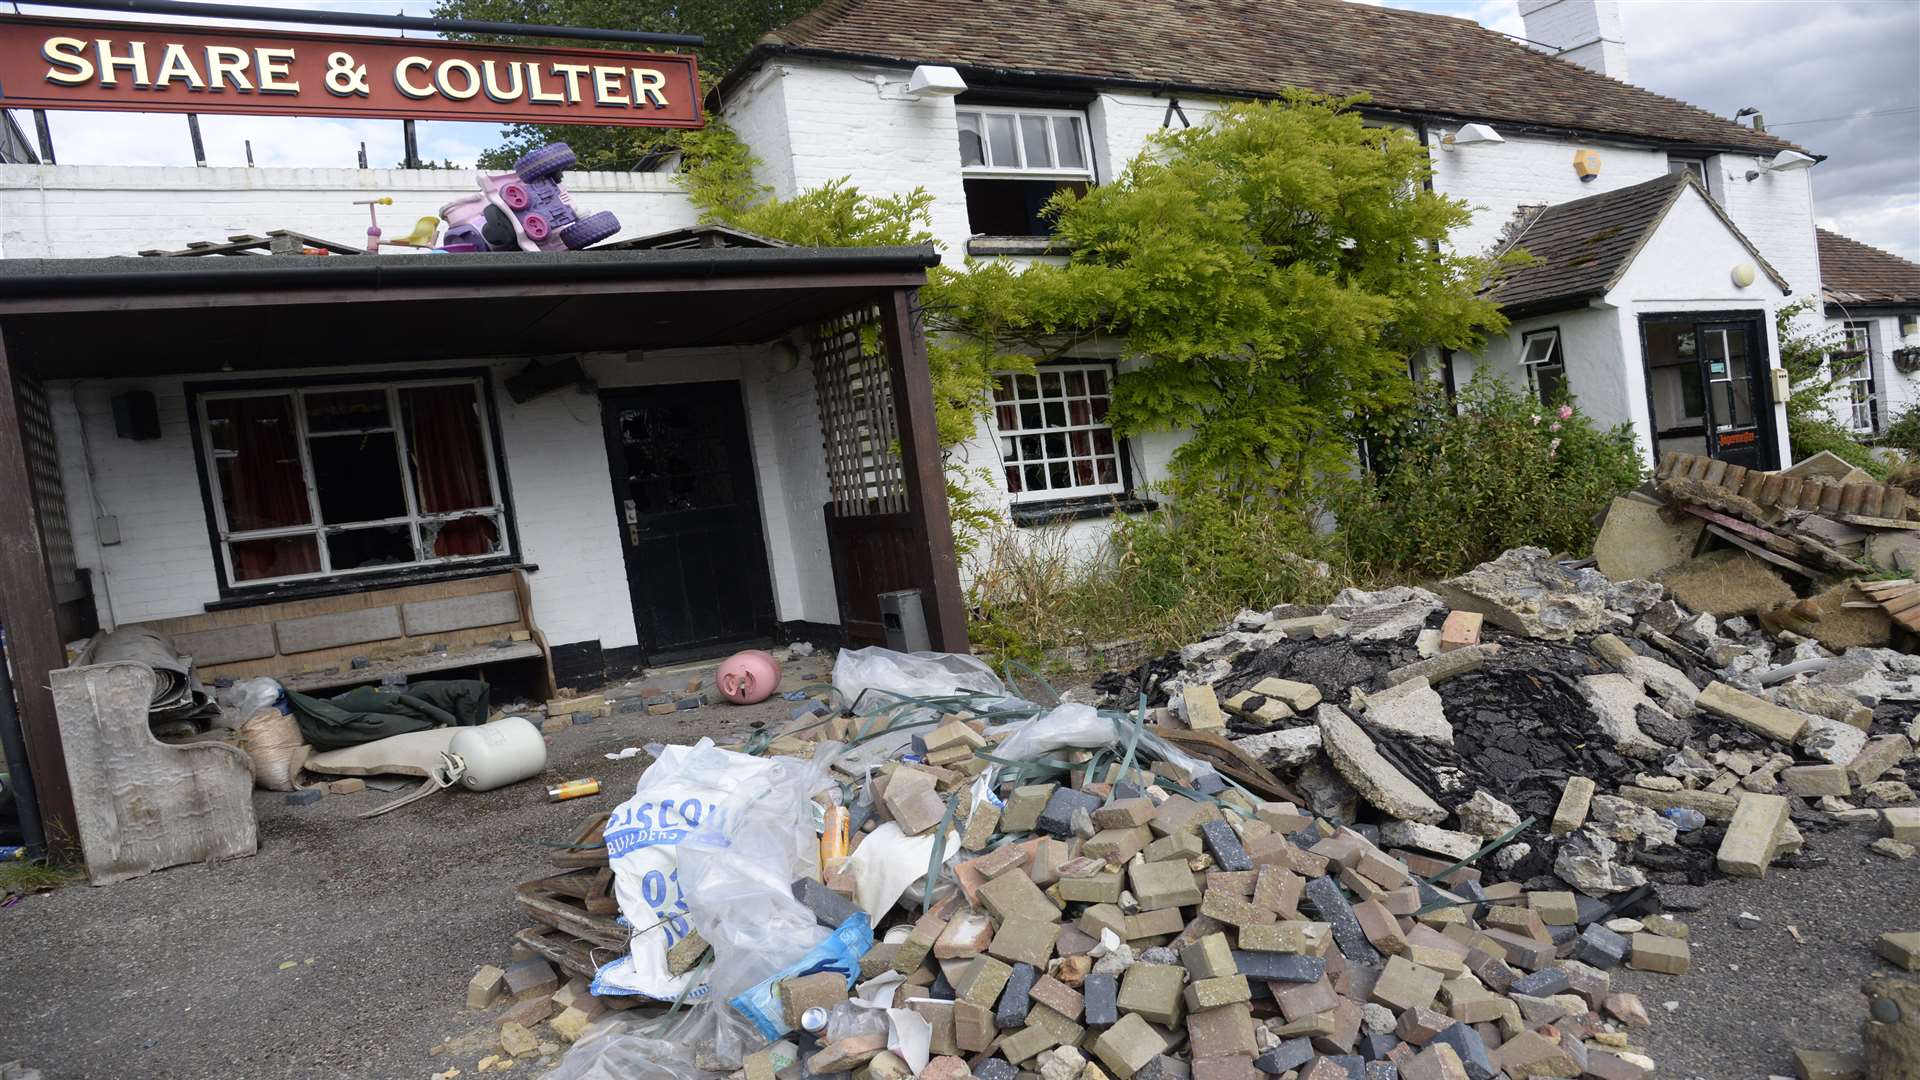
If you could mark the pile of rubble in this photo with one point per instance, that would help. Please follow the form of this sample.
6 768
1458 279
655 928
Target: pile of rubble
1411 834
1643 741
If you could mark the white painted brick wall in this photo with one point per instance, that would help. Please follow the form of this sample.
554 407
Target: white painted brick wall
857 122
1494 179
80 211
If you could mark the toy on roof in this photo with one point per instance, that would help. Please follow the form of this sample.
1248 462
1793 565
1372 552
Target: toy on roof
527 209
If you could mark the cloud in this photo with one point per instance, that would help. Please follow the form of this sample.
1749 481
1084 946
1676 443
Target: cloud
1802 63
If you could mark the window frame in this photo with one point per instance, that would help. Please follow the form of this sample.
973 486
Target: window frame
1121 488
222 537
1694 165
986 171
1555 357
1859 373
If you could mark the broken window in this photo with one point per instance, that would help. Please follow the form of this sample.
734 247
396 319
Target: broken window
1014 160
336 480
1055 438
1546 367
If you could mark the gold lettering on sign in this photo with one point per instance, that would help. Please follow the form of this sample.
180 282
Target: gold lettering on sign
538 96
228 64
403 84
175 64
65 52
469 77
650 83
135 60
607 88
272 66
490 81
571 73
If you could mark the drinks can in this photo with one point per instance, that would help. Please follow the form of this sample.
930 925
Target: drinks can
573 789
814 1020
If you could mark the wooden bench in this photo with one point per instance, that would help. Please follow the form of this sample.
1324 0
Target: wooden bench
411 630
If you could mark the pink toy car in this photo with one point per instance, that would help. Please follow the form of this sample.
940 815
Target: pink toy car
527 209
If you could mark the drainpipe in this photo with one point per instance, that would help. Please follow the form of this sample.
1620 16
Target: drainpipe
19 777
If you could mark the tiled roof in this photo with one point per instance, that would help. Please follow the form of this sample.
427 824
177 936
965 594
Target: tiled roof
1408 61
1584 246
1854 273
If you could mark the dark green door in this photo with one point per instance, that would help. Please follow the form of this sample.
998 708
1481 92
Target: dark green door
683 487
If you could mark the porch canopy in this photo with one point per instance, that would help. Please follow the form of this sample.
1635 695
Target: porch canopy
131 317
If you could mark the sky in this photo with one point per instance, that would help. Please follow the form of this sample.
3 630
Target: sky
1835 76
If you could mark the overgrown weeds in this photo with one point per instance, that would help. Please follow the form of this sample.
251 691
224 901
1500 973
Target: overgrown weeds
23 878
1056 596
1455 487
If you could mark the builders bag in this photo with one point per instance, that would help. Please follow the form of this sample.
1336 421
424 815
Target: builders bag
746 825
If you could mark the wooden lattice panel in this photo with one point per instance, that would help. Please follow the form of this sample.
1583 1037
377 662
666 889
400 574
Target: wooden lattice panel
43 471
857 420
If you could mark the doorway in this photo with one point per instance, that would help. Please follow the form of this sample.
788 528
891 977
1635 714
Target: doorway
689 512
1706 390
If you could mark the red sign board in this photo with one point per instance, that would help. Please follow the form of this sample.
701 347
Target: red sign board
60 64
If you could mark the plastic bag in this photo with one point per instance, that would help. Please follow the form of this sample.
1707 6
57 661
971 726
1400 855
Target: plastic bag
1082 727
245 698
630 1049
712 840
893 675
839 951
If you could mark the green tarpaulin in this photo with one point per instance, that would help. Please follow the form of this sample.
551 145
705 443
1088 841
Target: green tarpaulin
369 713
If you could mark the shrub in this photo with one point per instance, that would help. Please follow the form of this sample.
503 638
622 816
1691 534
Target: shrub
1164 578
1458 488
1813 433
1903 432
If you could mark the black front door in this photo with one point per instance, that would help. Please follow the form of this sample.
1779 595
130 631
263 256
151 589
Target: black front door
683 489
1730 362
1706 388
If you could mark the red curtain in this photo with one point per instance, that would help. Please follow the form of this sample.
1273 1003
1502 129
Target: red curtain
262 485
449 465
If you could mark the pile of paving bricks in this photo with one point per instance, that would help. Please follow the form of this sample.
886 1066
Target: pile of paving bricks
1107 925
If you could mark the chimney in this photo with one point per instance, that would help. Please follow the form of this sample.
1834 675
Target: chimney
1587 32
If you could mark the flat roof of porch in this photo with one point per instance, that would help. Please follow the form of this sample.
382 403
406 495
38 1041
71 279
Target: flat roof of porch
81 318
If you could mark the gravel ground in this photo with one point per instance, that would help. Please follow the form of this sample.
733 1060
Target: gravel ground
343 948
1753 996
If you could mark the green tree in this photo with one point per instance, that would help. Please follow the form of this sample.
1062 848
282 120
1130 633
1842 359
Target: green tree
1276 268
730 27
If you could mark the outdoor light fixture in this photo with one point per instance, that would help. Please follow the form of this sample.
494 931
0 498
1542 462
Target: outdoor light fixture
783 356
1469 135
930 80
1784 161
1744 274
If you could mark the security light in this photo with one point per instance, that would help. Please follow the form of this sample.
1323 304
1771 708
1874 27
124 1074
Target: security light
1469 135
929 80
1784 161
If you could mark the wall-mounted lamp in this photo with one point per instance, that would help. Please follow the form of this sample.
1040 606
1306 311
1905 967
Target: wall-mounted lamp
783 356
1744 274
1470 135
931 80
1784 161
